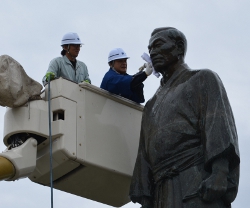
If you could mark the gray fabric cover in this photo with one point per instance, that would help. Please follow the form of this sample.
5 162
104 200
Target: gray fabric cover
16 87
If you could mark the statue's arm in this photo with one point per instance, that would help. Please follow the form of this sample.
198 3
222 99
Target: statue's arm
142 184
219 139
217 125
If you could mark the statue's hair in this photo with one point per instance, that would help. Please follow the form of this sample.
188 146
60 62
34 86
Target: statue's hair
173 34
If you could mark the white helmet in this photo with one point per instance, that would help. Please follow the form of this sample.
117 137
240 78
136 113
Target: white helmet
70 38
117 53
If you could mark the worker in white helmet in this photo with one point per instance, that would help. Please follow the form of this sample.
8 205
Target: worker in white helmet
67 66
117 81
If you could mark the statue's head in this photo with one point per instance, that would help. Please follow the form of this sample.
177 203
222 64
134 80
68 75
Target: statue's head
167 46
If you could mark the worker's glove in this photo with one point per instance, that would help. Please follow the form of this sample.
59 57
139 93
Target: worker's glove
87 81
149 69
142 67
50 75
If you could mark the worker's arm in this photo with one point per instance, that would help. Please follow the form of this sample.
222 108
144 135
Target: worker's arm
141 76
84 73
137 80
52 71
136 84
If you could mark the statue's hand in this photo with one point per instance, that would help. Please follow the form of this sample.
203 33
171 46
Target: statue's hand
146 206
215 186
147 202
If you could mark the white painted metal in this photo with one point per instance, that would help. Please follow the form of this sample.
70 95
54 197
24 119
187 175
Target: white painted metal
95 140
23 158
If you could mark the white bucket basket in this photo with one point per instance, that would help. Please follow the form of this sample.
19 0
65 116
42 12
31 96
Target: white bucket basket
95 140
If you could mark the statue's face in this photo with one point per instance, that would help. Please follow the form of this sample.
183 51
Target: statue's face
163 51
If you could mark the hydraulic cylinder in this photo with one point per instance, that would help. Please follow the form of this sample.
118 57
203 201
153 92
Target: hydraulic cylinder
7 169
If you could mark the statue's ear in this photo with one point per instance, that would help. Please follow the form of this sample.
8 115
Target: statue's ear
180 47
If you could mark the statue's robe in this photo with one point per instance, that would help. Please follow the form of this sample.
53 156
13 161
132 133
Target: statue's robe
186 125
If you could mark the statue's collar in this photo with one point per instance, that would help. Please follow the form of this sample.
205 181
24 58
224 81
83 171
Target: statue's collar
167 82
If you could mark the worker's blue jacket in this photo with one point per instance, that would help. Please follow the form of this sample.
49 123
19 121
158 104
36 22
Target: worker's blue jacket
120 84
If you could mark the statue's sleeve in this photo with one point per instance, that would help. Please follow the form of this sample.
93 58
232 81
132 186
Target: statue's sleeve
219 136
142 180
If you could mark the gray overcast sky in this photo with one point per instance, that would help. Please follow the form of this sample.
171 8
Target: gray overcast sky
217 32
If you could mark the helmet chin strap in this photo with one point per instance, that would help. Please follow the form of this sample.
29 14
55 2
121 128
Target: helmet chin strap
70 54
112 65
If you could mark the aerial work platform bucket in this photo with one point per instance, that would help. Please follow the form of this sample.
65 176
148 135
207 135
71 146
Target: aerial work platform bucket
95 140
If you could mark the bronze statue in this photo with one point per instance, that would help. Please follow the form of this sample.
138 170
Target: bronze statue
188 154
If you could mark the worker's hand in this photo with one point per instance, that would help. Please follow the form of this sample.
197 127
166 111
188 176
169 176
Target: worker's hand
149 69
50 75
142 67
87 81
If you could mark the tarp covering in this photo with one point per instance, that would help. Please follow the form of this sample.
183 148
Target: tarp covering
16 87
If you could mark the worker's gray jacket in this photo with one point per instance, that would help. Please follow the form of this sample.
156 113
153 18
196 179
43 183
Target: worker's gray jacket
62 67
